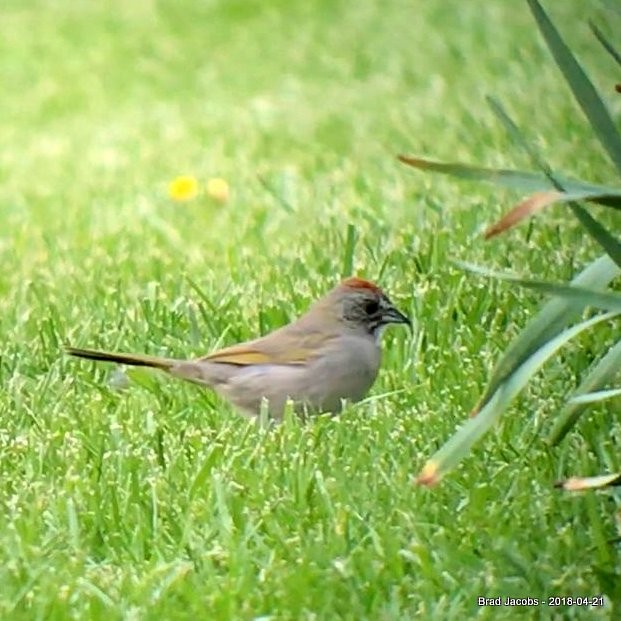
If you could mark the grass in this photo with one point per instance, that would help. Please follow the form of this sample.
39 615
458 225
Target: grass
160 502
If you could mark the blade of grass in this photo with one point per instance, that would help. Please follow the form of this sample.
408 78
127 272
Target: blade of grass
462 441
348 255
580 85
601 374
547 323
280 199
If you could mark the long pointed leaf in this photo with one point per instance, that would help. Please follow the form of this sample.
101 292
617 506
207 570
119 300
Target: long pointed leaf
462 441
540 200
580 84
609 47
612 5
526 181
598 232
550 320
580 484
601 374
606 301
597 396
518 136
524 209
606 240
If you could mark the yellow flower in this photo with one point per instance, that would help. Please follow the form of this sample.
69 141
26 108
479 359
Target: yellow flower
183 188
218 189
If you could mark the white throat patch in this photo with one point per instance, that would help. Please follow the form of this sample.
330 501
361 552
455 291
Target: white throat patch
377 333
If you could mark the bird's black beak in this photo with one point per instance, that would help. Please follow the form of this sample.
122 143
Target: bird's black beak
393 315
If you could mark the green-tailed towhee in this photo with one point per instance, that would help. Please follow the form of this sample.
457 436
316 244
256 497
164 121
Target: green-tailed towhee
330 354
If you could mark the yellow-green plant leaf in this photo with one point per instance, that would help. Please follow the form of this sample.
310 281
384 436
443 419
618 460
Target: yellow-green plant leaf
605 239
462 441
580 85
603 372
597 396
609 47
548 322
525 181
598 232
518 136
602 300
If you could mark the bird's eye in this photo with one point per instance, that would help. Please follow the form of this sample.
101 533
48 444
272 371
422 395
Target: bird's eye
371 307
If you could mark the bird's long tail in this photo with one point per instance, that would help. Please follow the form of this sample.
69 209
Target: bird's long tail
136 360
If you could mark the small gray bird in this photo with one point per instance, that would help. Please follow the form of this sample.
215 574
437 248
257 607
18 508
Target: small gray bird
330 354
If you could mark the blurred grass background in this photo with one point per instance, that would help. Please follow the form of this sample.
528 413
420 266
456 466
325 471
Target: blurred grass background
161 502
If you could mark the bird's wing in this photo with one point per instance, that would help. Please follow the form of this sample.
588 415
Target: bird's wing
289 350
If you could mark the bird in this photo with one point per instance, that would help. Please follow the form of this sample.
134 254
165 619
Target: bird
328 356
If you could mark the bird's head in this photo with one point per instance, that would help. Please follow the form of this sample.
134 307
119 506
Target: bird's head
363 306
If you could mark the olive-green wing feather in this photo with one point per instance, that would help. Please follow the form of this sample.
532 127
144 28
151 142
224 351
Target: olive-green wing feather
284 348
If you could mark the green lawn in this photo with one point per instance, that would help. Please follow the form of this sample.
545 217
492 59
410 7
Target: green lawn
160 502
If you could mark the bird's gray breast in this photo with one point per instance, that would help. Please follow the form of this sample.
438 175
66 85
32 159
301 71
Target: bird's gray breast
346 370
